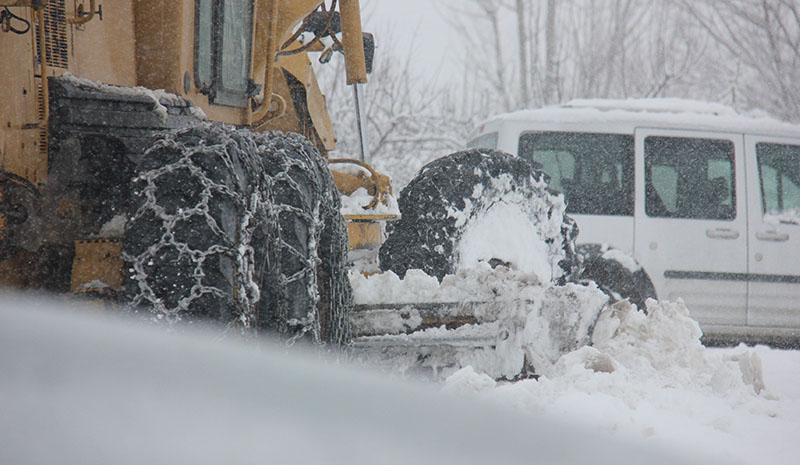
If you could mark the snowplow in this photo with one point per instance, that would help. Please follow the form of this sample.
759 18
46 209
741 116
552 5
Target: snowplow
173 157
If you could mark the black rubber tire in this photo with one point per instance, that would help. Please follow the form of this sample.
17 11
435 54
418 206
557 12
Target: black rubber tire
236 227
617 281
427 235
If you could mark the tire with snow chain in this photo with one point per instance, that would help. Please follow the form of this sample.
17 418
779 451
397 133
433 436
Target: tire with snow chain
457 208
239 228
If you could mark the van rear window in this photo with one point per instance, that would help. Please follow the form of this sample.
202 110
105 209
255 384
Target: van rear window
594 171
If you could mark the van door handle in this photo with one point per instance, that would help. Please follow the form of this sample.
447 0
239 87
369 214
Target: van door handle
772 236
722 233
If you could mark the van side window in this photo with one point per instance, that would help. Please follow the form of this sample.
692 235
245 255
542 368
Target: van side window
689 178
779 171
486 141
594 171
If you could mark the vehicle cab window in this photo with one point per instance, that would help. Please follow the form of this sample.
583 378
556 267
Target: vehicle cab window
223 39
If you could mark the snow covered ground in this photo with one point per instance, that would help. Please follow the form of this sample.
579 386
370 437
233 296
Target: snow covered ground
78 386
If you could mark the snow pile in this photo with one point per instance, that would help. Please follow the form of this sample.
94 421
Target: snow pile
157 96
524 325
645 374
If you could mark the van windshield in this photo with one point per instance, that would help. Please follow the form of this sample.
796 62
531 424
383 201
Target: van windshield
594 171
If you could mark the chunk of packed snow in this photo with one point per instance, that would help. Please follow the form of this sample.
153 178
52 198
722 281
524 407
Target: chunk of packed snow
505 233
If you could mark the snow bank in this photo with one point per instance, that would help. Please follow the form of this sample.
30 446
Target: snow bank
647 375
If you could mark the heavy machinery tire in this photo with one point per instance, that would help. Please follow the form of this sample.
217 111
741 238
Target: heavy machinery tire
238 228
618 281
450 193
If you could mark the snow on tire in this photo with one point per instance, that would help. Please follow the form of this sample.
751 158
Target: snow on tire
237 227
480 205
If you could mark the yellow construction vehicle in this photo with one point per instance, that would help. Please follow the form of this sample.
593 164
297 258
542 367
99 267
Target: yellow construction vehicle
141 159
173 156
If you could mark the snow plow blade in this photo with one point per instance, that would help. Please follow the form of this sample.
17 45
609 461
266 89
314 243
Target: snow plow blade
425 325
397 318
506 338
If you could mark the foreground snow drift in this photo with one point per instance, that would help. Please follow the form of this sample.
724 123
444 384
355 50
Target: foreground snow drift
649 375
77 388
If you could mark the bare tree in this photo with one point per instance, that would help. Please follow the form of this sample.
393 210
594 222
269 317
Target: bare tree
410 119
760 40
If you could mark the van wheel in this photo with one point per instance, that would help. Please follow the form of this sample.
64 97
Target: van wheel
235 227
444 206
618 281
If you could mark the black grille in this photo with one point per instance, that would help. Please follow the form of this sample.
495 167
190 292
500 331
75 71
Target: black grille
55 25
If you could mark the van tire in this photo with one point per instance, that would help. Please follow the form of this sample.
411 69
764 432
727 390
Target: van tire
617 281
463 184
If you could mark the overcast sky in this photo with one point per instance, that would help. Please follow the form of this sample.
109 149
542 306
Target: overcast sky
419 24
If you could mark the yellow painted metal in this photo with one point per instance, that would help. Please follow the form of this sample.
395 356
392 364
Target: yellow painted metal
20 111
300 67
97 261
353 42
161 30
105 51
275 20
82 16
378 185
363 235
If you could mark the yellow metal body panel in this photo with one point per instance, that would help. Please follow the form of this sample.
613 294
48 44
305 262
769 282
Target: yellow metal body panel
21 151
353 42
97 261
300 67
104 50
364 235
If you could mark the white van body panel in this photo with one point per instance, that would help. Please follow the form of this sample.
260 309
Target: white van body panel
702 261
774 252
